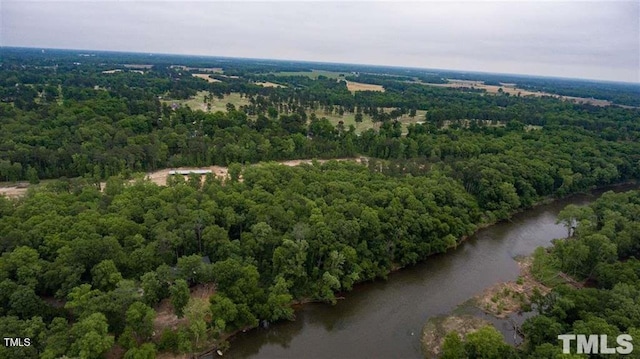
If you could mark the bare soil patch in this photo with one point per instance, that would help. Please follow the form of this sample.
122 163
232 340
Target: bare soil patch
509 297
166 317
434 332
160 177
358 86
13 191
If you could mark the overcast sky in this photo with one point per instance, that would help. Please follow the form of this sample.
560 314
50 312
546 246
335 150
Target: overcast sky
593 40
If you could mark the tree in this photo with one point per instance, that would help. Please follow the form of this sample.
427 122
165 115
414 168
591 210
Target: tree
486 343
197 312
179 296
223 312
191 268
24 303
105 275
453 347
145 351
571 215
32 175
91 337
139 318
152 288
358 117
279 301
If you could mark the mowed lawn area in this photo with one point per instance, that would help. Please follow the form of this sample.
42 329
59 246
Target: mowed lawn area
197 102
367 123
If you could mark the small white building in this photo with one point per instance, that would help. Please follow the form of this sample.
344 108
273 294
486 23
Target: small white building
188 172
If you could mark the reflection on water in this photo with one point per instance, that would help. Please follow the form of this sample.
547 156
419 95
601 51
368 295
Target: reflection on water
384 319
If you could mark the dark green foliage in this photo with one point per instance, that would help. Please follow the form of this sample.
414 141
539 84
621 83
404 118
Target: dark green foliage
179 296
593 253
275 234
485 343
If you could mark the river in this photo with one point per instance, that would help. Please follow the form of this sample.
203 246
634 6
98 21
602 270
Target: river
384 319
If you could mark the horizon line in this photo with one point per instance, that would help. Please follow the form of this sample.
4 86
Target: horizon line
479 72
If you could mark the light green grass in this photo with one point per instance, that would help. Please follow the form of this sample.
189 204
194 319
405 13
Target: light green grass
349 119
197 102
367 123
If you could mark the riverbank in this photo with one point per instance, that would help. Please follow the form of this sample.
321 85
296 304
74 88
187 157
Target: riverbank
435 331
501 301
483 265
510 297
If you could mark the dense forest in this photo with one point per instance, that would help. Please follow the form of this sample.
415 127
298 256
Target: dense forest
86 266
601 249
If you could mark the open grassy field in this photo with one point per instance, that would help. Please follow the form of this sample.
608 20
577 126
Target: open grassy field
367 123
313 74
358 86
197 102
512 90
349 119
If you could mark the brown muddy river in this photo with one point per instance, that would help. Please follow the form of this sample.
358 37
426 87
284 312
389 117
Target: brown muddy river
384 319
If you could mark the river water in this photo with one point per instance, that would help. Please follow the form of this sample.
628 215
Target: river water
384 319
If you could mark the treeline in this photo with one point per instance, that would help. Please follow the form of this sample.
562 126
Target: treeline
270 234
123 129
279 234
83 271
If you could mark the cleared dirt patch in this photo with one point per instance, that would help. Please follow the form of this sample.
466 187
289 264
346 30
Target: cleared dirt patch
160 177
359 86
206 77
165 316
13 192
434 332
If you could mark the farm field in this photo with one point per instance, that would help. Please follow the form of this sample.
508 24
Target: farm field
512 90
358 86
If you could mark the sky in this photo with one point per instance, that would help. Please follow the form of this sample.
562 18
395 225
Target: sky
577 39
